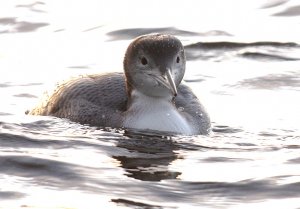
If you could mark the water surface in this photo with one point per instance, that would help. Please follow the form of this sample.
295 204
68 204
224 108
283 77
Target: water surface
243 64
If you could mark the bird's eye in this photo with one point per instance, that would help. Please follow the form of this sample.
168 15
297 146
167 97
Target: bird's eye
177 59
144 61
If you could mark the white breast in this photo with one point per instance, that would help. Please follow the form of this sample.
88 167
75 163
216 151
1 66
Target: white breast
155 114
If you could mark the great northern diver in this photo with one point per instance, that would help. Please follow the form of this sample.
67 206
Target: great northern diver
148 96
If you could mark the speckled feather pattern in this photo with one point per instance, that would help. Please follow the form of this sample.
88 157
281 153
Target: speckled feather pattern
93 99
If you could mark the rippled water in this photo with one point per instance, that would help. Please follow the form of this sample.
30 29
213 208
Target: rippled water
243 64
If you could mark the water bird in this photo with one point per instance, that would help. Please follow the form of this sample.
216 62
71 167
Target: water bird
149 94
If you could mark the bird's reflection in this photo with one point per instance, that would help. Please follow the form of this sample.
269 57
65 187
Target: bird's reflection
149 157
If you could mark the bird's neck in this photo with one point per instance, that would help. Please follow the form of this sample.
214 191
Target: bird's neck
138 98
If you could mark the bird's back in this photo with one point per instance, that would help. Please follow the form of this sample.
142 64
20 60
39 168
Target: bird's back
93 99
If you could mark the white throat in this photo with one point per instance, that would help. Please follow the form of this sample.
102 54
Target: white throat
155 113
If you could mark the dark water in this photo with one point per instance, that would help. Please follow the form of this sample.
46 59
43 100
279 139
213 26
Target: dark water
246 75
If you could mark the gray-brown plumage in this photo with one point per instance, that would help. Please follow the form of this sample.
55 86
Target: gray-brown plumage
142 98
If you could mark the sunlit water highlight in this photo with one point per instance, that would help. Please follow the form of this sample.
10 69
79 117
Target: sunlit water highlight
243 64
